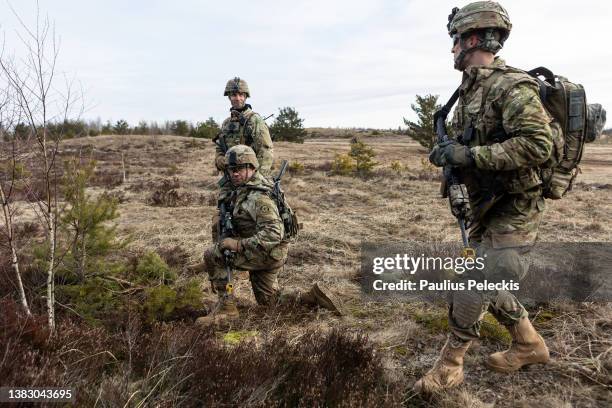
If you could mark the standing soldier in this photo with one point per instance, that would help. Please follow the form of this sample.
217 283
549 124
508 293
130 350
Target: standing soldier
502 133
243 127
256 242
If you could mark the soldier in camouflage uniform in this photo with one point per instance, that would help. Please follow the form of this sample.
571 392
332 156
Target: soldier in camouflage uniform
258 245
243 127
502 134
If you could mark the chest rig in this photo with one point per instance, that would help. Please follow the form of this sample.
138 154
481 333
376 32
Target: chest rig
478 121
239 129
242 204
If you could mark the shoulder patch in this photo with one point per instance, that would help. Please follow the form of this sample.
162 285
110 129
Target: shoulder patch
263 208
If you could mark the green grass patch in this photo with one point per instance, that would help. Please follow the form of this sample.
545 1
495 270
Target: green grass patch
235 337
436 321
491 329
543 317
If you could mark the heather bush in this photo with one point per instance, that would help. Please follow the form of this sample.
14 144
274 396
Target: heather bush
169 365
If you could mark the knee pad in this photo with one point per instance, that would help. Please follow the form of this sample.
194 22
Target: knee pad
467 308
505 264
209 259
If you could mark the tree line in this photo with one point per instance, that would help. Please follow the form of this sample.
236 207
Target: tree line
287 126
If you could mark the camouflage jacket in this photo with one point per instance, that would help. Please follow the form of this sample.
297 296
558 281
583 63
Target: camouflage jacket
248 128
501 118
256 219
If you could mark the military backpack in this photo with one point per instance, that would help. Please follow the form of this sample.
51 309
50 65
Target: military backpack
290 220
579 122
574 123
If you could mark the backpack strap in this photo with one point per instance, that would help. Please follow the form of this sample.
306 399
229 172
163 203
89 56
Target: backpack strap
244 119
499 135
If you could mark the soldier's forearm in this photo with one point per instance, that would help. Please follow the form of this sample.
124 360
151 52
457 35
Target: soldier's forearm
514 153
266 239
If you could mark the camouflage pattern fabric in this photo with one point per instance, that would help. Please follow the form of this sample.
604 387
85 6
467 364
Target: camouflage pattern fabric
235 85
467 308
510 136
260 229
248 128
501 118
477 16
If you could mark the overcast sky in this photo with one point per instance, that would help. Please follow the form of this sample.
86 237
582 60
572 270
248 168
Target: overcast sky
347 63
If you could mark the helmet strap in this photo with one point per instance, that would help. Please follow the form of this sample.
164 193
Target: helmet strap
460 59
486 42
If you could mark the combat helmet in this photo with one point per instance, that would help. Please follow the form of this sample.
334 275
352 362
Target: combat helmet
486 17
239 155
236 84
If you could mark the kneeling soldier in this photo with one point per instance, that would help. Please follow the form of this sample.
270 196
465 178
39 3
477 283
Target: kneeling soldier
256 242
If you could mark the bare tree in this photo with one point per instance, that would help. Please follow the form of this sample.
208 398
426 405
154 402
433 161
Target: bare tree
41 101
10 174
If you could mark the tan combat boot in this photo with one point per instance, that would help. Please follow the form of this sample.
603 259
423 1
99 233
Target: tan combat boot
527 347
448 369
321 296
224 310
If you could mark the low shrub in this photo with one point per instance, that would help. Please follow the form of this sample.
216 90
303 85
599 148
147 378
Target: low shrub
177 364
343 165
295 167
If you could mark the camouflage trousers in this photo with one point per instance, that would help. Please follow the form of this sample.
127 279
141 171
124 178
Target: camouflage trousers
263 273
504 239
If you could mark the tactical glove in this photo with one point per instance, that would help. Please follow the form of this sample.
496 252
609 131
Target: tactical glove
451 153
231 244
220 163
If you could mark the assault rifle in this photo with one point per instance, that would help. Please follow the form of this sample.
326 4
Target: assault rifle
279 198
453 188
225 230
290 221
220 142
277 179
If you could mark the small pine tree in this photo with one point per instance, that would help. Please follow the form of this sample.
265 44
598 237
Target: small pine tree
363 156
422 131
107 129
142 128
180 128
84 220
206 130
22 130
343 165
288 126
121 127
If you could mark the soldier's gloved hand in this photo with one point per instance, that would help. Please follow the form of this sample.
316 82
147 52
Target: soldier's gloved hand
220 163
451 153
436 156
231 244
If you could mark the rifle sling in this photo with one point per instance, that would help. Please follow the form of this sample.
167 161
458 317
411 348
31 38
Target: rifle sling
449 105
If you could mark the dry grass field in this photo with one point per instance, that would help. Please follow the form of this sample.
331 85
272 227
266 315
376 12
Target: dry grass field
168 201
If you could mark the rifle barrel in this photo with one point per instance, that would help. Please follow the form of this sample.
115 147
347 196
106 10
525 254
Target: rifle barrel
283 168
